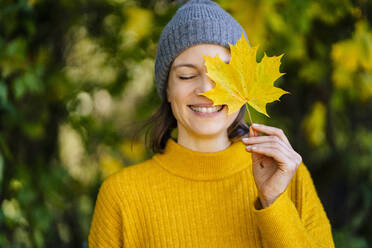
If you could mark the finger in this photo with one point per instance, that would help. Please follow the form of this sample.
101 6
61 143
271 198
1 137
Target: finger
263 139
272 152
290 160
274 145
271 131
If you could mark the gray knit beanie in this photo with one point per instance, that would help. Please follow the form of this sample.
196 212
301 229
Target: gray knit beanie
197 21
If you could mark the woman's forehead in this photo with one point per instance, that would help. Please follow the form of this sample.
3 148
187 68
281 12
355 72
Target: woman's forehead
193 54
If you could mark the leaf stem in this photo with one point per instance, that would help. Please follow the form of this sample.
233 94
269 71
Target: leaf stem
249 114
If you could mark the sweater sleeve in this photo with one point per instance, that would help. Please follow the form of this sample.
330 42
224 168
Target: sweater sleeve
106 226
283 225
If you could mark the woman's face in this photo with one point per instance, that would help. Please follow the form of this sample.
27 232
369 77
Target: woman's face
187 78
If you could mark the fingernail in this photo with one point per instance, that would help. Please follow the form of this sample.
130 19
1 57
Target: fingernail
255 124
245 139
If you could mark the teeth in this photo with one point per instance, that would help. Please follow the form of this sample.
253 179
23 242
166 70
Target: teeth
207 110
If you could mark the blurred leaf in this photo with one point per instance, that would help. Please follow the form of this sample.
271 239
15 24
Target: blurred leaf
3 94
345 239
135 151
138 25
352 60
313 71
12 212
28 82
314 124
1 170
109 165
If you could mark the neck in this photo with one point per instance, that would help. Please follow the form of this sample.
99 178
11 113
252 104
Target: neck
197 165
203 143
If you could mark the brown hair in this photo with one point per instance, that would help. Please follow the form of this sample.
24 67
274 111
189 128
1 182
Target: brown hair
160 125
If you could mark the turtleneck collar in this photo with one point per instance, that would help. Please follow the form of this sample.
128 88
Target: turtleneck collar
195 165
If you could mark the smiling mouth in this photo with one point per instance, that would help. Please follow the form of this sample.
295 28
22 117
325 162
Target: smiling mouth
211 109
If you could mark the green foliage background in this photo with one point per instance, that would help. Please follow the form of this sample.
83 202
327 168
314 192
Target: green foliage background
76 75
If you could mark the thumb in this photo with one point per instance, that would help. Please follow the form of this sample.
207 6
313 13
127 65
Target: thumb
256 158
252 132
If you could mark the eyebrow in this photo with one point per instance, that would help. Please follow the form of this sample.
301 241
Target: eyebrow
186 65
192 65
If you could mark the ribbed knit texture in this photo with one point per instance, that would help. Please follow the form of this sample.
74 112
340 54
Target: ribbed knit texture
184 198
197 21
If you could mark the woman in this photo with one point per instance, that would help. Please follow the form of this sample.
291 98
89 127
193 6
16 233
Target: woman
209 187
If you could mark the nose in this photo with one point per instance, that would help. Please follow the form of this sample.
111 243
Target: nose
204 85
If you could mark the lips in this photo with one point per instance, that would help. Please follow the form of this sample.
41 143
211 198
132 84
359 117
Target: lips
206 108
202 105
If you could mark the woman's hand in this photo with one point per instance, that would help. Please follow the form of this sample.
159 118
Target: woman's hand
274 161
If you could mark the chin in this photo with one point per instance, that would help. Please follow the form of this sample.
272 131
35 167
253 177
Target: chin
208 130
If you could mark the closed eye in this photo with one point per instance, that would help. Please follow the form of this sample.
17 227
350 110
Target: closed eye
185 78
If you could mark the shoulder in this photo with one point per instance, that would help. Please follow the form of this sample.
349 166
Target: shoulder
126 189
131 172
130 177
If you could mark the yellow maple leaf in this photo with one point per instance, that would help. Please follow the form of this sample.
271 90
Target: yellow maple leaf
244 80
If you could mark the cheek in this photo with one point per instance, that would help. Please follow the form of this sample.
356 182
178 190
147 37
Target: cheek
179 103
177 110
232 117
180 92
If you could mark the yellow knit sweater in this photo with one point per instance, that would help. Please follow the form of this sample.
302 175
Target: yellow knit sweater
184 198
